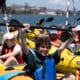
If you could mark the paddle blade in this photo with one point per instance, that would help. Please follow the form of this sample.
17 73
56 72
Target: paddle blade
78 19
50 19
41 21
15 23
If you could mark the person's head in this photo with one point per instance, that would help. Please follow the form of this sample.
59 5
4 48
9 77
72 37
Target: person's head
8 39
11 29
53 34
43 44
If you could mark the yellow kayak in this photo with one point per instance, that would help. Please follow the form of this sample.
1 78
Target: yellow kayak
17 73
69 62
13 73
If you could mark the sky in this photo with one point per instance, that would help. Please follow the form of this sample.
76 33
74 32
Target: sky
50 4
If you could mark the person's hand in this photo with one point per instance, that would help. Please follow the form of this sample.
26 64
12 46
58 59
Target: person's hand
26 27
16 33
76 29
1 57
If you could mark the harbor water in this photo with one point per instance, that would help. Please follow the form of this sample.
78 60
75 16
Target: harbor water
34 19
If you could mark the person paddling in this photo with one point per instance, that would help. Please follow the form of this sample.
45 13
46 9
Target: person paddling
42 46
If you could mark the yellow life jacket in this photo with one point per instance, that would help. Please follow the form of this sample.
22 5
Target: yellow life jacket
30 43
52 49
30 35
38 31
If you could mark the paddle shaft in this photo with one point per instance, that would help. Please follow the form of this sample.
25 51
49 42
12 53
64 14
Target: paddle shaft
38 27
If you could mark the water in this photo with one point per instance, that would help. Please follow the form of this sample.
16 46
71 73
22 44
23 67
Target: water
34 19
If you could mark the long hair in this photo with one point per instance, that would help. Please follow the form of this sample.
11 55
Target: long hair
4 46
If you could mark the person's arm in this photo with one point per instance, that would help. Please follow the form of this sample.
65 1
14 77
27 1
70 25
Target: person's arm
17 50
23 40
64 45
76 28
67 42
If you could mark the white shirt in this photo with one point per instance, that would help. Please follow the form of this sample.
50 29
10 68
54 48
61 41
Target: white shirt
18 49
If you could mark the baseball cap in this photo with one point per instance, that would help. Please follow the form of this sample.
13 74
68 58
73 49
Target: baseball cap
53 31
6 36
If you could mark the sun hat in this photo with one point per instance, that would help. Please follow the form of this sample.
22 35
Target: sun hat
6 36
53 31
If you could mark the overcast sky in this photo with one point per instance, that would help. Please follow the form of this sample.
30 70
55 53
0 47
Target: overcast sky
53 4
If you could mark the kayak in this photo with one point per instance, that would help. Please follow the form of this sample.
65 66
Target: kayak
68 62
18 73
14 73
